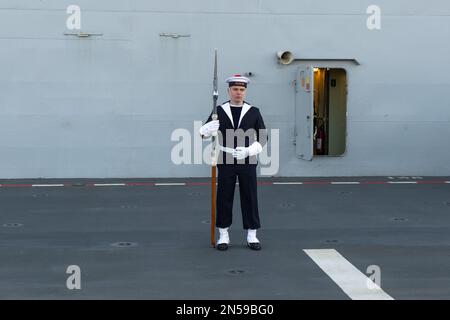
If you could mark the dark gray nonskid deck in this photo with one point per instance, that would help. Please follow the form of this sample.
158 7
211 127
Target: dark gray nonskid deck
152 242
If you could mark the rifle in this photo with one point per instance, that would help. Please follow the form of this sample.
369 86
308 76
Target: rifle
214 155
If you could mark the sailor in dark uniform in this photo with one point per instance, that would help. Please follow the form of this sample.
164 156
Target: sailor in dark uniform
241 135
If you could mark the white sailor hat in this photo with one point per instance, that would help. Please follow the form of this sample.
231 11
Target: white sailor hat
238 80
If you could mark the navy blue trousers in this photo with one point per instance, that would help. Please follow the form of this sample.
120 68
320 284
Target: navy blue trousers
226 183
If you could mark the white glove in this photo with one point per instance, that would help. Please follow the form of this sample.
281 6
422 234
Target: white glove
209 128
255 148
243 152
240 153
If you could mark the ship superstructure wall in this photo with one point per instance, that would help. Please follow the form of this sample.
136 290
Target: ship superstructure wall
110 98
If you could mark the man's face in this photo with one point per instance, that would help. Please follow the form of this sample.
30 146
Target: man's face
237 94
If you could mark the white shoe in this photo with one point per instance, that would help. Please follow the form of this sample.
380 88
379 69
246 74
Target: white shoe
251 236
224 239
252 241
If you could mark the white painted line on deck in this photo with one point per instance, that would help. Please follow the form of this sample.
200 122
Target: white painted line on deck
47 185
171 184
109 184
352 281
402 182
345 182
287 182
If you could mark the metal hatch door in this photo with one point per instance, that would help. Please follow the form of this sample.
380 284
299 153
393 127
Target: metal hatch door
304 113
